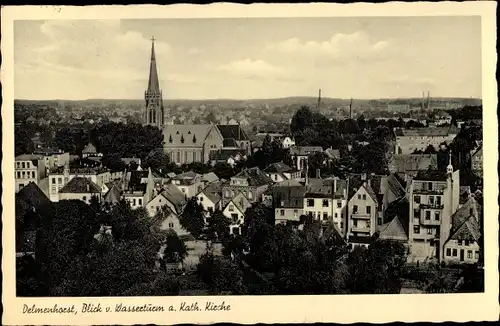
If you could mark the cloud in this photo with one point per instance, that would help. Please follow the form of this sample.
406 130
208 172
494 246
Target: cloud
257 69
195 51
95 47
339 48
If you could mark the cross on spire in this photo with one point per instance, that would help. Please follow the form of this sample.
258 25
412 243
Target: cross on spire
153 38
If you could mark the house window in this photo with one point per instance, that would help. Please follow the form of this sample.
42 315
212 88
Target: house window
459 242
53 181
133 202
157 208
448 252
466 242
427 215
325 203
231 208
429 231
431 200
18 174
379 221
21 186
282 212
477 254
84 198
336 215
295 211
416 229
228 194
24 174
364 197
359 197
310 202
416 199
33 174
368 209
429 185
234 217
454 252
250 195
170 225
339 204
140 202
200 198
341 225
436 216
325 216
23 165
59 180
438 200
18 164
469 254
355 223
355 209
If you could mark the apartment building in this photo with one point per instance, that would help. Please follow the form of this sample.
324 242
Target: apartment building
279 172
410 140
288 201
28 168
362 213
189 183
80 188
300 155
251 182
326 201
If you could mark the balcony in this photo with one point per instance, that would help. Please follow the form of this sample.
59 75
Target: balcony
360 216
359 229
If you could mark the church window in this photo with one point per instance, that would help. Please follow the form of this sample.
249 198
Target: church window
177 132
189 132
170 139
182 139
194 138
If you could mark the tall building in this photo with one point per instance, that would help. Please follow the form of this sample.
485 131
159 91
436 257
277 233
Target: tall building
154 112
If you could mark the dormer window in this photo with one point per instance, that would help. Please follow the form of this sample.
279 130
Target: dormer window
177 132
182 139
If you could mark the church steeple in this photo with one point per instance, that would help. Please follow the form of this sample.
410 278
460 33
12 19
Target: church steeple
153 84
154 112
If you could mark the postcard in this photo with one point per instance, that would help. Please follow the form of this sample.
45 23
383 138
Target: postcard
249 163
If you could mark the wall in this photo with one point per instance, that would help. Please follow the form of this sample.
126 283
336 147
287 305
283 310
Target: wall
281 215
366 222
453 246
85 197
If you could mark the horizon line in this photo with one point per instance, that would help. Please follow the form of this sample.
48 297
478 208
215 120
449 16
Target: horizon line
257 99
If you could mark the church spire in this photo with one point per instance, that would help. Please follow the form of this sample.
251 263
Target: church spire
153 84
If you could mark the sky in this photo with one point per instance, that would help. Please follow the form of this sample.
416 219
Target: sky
243 58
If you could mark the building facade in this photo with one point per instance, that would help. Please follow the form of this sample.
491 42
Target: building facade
28 168
186 144
410 140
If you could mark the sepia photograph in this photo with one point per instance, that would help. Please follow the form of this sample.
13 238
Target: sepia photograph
247 156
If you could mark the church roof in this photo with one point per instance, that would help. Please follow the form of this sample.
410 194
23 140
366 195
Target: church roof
232 131
153 83
186 135
414 162
80 185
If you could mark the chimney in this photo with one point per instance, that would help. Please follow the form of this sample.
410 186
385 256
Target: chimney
363 177
335 185
369 183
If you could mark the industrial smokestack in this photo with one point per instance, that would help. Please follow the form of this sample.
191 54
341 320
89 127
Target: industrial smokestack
428 100
319 99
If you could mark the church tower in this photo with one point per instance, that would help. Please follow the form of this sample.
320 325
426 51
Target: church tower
154 112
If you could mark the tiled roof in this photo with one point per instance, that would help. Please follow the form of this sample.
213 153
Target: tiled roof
213 191
413 162
186 135
80 185
465 222
229 142
113 194
305 150
325 188
175 196
29 157
373 187
89 149
393 230
255 177
288 197
332 153
278 167
395 186
186 178
232 131
426 132
210 177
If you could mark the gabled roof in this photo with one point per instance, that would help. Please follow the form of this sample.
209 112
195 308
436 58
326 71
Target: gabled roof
393 230
210 177
426 132
113 194
372 184
213 191
229 142
255 177
278 167
175 196
89 149
325 188
466 222
232 131
395 186
414 162
80 185
31 199
332 153
187 135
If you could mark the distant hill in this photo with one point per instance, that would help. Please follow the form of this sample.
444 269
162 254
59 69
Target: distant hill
297 100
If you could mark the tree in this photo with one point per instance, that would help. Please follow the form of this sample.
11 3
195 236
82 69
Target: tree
192 218
175 249
430 150
113 161
218 225
23 143
301 120
156 159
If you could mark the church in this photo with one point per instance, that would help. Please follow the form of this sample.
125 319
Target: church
186 144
